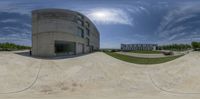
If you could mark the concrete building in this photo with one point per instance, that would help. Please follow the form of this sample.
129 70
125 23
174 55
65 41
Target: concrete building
133 47
62 32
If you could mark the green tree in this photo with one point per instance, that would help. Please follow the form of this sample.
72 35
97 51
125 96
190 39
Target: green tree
196 45
12 46
176 47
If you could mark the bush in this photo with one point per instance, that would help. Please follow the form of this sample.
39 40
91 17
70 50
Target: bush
12 47
196 46
113 50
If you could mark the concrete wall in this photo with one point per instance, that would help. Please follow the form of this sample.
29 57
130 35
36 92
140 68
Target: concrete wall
49 25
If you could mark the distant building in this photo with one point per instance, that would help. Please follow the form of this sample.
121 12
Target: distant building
58 32
133 47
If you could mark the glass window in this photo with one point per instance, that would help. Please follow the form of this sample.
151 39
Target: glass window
80 32
80 16
87 24
88 41
64 48
87 31
80 22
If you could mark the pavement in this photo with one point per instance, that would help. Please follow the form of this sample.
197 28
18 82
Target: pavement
97 76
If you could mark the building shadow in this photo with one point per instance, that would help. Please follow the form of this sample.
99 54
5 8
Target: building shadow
27 54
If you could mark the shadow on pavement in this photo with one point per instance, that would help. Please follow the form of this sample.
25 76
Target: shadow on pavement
27 54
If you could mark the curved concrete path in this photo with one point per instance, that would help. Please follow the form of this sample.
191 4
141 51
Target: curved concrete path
97 76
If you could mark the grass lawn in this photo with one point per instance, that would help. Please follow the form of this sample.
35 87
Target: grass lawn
138 60
146 52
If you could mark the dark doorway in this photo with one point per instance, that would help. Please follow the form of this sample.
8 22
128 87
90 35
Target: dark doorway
65 48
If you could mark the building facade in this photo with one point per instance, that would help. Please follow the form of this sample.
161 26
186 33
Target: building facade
135 47
62 32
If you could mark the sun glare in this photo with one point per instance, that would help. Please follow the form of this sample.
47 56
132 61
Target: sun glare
100 14
110 16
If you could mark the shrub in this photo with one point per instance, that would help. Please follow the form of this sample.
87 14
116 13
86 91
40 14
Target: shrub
196 46
12 47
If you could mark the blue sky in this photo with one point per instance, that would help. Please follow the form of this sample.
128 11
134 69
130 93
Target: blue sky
119 21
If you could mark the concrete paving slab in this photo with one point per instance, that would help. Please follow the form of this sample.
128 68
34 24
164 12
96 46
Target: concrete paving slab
97 76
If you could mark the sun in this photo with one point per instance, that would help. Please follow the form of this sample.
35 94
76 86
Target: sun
103 16
109 16
100 14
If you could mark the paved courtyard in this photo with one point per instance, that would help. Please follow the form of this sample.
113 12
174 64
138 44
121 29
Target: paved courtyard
97 76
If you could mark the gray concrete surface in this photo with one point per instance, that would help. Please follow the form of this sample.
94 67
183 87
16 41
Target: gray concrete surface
51 25
97 76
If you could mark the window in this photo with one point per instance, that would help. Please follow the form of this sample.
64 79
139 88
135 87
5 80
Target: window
65 48
87 24
80 32
80 16
80 22
87 32
88 41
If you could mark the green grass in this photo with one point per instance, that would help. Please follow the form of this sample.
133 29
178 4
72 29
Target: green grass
138 60
146 52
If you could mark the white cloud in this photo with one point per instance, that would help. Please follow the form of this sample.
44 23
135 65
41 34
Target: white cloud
174 24
21 7
9 20
10 28
110 16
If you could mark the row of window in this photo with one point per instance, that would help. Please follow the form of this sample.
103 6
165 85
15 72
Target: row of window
136 48
87 32
80 22
81 32
138 45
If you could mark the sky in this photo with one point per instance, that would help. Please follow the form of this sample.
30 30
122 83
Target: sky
118 21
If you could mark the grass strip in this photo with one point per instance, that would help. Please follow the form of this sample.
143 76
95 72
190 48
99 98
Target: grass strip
138 60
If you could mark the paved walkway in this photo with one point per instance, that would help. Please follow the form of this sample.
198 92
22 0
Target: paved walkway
97 76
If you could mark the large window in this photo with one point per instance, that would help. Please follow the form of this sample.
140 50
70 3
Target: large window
64 48
80 32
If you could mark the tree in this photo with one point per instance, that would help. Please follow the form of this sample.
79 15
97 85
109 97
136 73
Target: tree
12 46
196 45
175 47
